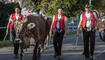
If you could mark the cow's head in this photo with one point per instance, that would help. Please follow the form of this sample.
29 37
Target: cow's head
18 27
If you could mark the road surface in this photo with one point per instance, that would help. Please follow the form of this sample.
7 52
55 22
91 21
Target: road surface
69 52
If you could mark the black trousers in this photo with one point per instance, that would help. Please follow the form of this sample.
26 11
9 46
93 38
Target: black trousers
57 41
89 42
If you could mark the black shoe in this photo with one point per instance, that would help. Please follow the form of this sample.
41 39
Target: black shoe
59 58
91 57
55 56
83 53
16 57
86 58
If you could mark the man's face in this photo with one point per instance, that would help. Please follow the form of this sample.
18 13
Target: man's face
17 10
87 9
60 11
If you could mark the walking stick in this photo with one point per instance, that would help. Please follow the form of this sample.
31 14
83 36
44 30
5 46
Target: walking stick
77 38
5 37
76 43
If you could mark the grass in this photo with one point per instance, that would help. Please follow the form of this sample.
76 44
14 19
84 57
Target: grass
5 43
71 32
68 33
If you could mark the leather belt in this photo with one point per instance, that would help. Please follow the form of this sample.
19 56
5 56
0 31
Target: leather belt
59 30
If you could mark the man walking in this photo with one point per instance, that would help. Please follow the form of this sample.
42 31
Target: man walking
59 25
87 22
14 16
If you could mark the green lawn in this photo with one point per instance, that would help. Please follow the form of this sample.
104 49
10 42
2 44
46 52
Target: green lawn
5 43
71 32
68 33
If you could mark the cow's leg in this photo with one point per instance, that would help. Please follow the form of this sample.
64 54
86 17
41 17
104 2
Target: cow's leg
16 48
100 35
103 37
47 41
35 52
42 46
38 54
21 53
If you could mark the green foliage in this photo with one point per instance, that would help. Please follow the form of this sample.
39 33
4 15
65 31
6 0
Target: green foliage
72 7
99 5
49 7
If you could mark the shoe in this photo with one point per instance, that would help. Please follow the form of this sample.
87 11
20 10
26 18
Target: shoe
86 58
83 53
16 57
59 57
91 57
55 56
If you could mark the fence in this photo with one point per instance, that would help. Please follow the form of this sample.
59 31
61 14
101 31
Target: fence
72 24
10 35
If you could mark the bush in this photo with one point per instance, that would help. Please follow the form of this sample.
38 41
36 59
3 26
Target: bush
5 43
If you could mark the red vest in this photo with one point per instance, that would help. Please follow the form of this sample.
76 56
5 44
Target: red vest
84 19
13 18
62 24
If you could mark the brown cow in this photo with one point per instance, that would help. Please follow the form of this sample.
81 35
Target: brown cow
101 28
35 27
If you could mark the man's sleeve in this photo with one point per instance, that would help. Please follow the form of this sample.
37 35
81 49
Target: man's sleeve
23 18
81 17
10 18
95 15
65 19
53 18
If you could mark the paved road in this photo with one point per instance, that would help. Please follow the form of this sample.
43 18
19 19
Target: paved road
68 51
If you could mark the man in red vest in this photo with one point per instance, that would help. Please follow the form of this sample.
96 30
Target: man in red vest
87 22
14 16
59 25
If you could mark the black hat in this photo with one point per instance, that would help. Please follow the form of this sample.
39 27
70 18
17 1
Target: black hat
60 8
18 7
87 6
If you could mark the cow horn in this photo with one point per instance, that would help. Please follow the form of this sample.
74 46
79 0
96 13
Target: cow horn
31 25
45 18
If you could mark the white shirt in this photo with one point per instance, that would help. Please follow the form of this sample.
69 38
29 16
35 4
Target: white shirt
58 24
88 22
16 16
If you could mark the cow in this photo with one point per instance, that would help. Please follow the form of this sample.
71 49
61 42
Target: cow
101 28
36 27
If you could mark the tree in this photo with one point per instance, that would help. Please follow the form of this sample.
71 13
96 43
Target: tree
99 5
49 7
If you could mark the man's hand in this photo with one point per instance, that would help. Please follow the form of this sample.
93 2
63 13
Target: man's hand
65 35
50 33
77 34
